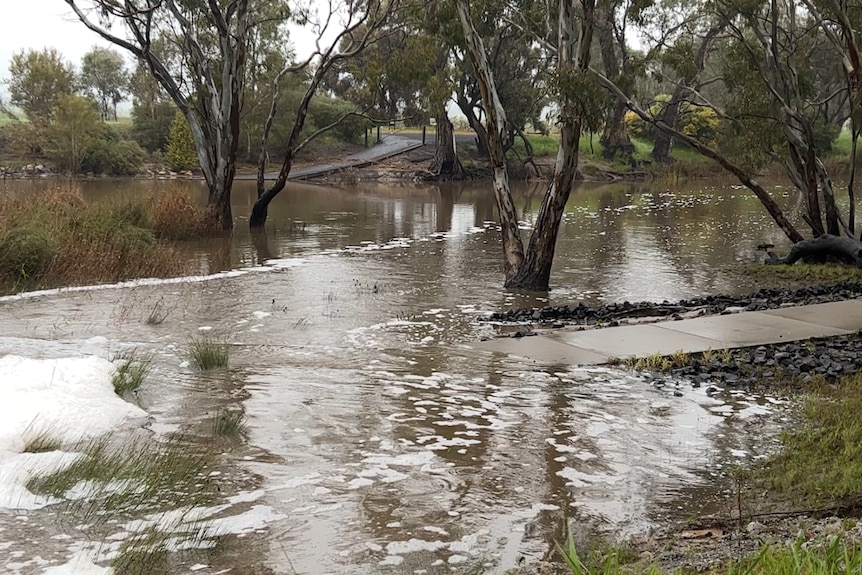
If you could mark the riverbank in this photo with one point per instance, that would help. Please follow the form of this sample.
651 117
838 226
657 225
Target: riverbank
803 498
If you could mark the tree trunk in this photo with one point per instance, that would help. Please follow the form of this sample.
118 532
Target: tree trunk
482 143
615 137
535 272
446 165
663 145
821 249
513 248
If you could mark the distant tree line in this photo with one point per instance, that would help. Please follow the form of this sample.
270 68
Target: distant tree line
68 118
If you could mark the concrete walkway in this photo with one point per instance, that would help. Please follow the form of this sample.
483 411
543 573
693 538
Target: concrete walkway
388 146
744 329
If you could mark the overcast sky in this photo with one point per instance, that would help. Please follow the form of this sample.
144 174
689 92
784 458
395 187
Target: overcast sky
38 24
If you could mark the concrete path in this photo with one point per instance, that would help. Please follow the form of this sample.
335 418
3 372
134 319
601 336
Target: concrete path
744 329
389 145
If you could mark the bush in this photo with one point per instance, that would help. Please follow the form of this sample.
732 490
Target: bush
325 111
180 150
25 253
55 239
114 157
176 216
699 122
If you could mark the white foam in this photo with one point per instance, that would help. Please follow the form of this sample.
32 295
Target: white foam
62 400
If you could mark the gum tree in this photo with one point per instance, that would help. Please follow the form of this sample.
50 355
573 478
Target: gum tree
207 86
530 269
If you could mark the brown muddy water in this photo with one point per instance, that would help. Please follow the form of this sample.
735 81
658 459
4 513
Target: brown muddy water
379 442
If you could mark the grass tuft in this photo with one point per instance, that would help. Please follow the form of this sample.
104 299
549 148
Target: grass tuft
130 373
230 424
158 313
207 352
132 477
41 443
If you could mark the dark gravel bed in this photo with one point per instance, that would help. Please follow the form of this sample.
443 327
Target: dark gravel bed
611 314
786 364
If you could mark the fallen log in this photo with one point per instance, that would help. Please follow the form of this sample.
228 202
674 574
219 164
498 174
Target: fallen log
822 249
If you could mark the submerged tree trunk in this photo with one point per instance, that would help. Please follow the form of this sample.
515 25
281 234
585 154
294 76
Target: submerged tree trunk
535 272
513 248
446 165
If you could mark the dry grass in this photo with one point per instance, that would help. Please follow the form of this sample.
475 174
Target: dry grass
56 238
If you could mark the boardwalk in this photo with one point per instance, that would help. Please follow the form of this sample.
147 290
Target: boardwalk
744 329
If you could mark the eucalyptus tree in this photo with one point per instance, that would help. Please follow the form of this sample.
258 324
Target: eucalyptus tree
612 18
207 85
408 75
104 76
520 66
344 31
773 103
577 97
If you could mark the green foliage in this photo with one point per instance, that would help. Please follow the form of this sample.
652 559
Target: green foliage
104 76
113 156
151 124
583 97
325 111
699 122
75 126
25 252
821 460
38 79
180 150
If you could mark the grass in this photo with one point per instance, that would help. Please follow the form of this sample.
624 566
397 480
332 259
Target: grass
56 238
783 276
41 442
658 362
158 313
821 460
230 424
133 477
130 373
834 556
207 352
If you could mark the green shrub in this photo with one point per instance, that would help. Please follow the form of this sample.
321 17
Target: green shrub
114 157
25 252
180 151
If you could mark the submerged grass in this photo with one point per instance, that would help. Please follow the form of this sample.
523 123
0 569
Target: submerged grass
230 424
56 238
207 352
131 370
132 477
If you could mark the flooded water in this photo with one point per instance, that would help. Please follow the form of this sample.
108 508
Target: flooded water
378 440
